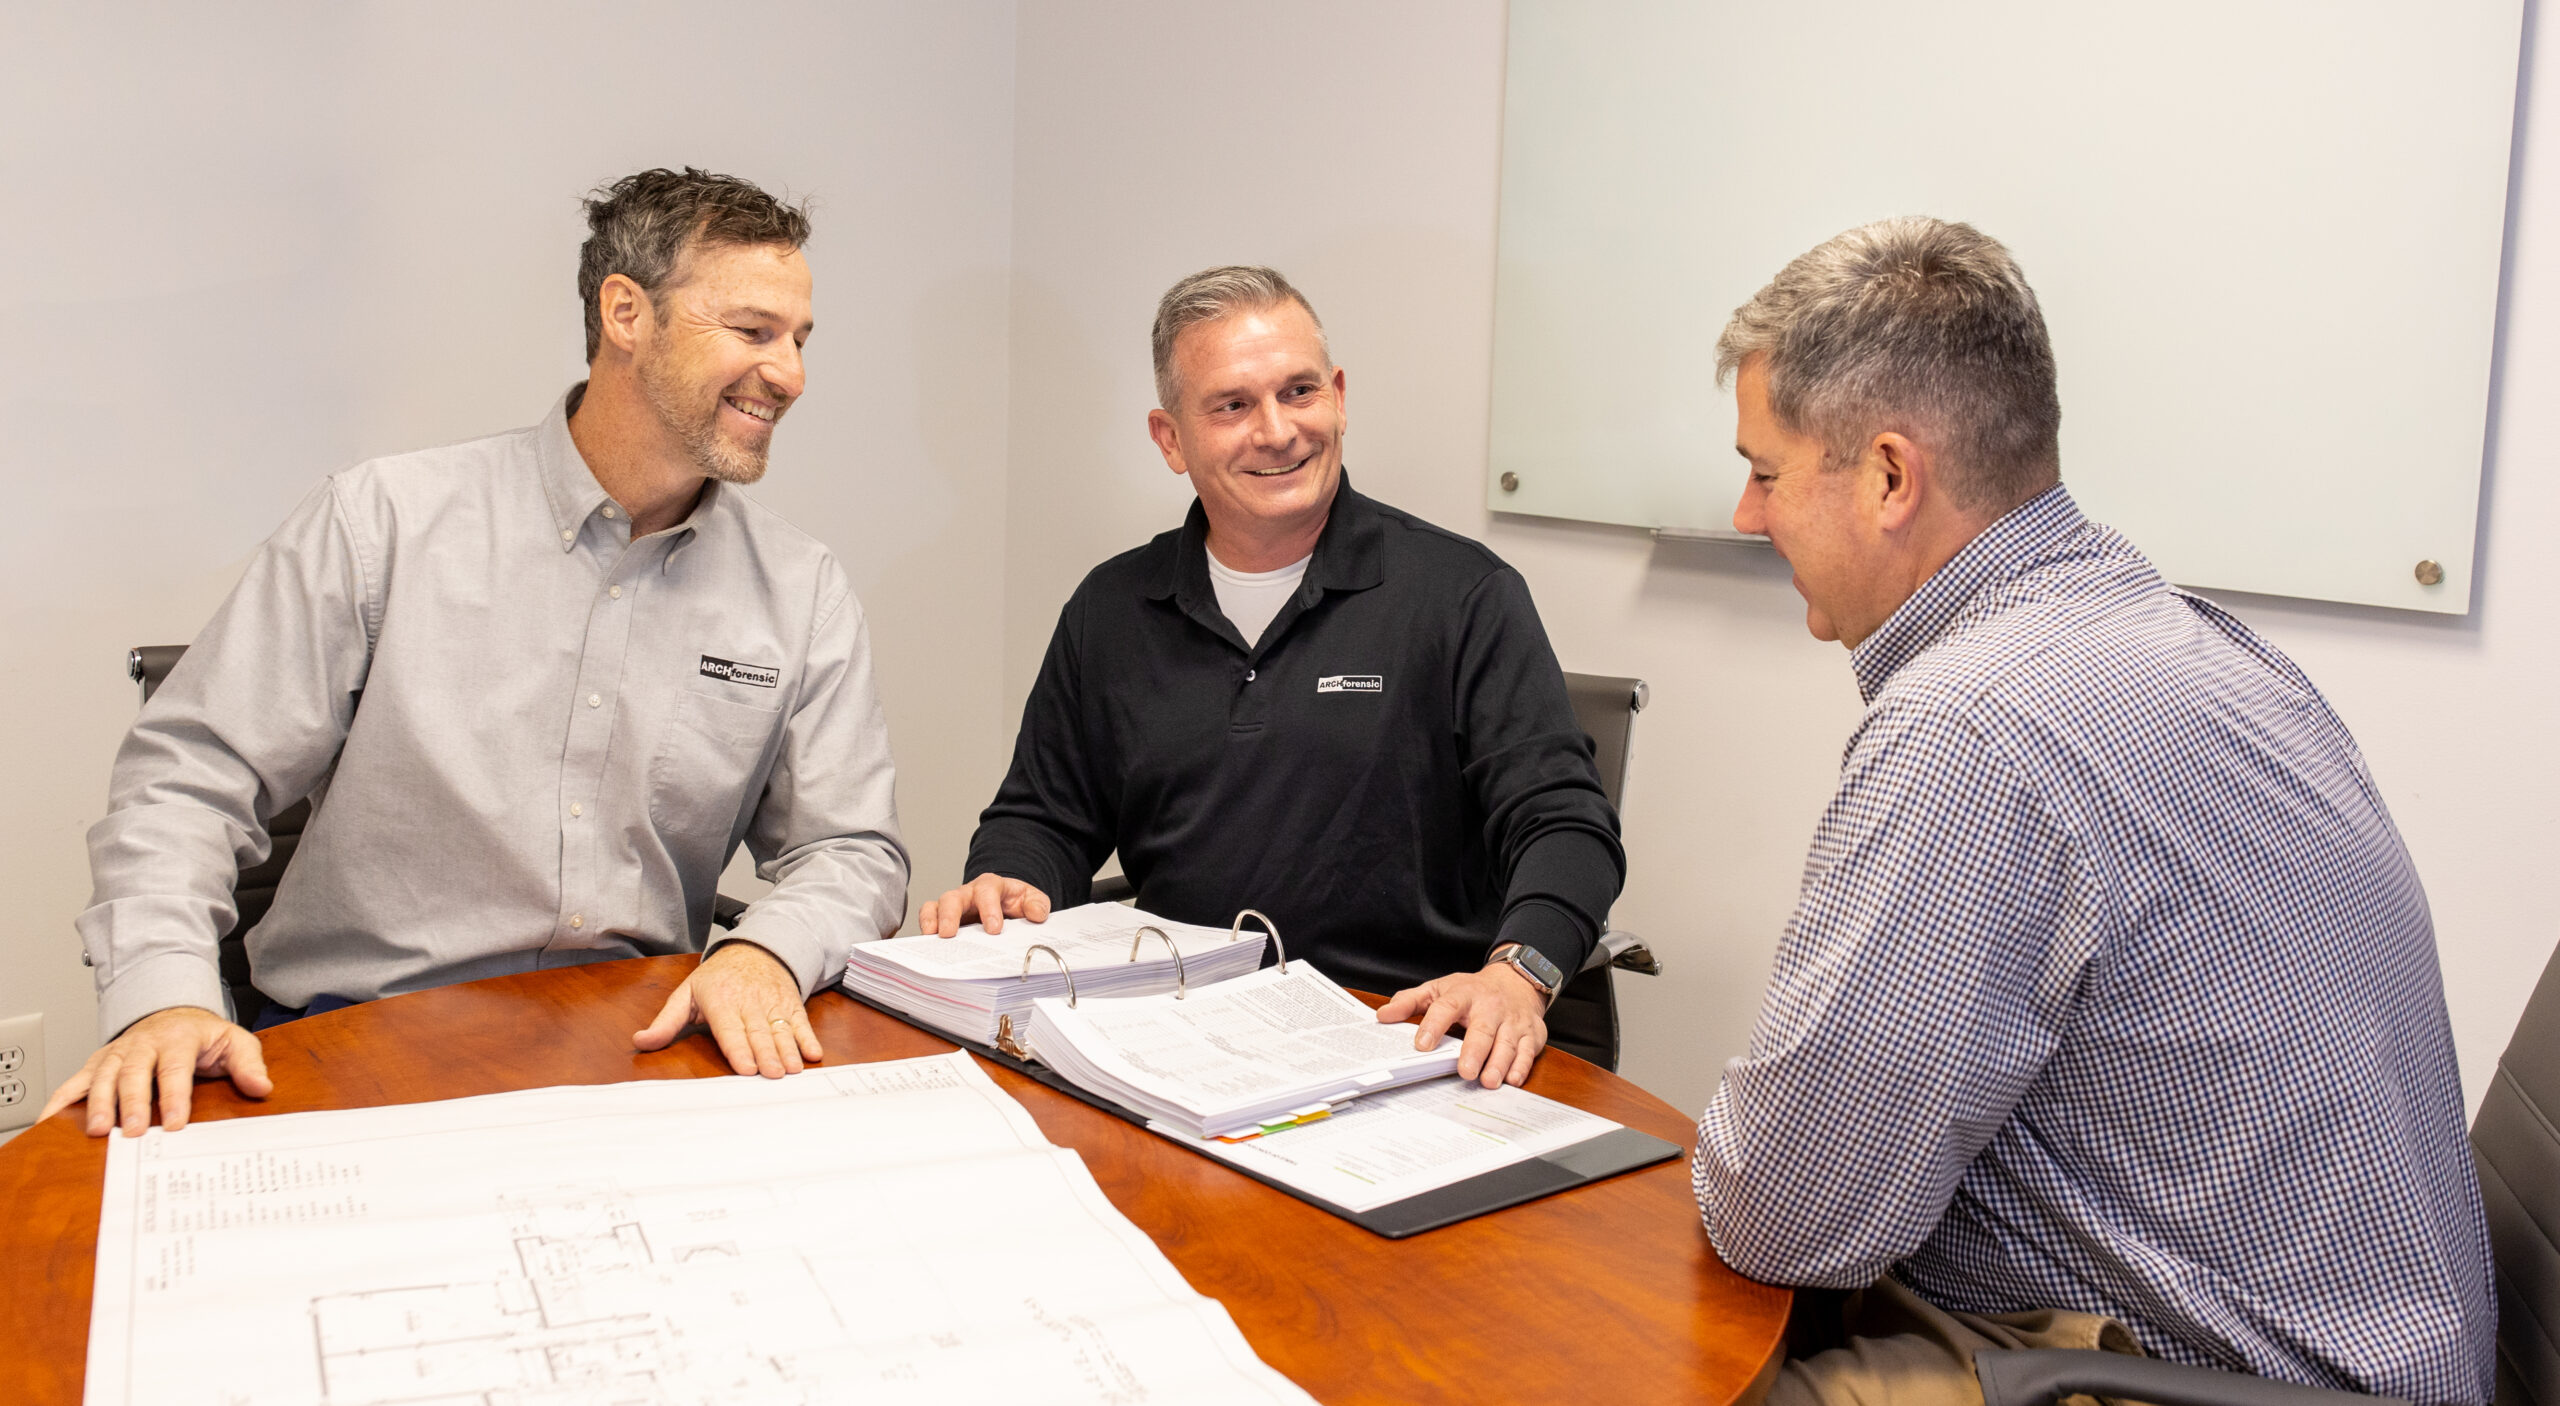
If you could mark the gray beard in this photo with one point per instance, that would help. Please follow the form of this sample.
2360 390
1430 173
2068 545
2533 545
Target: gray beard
699 431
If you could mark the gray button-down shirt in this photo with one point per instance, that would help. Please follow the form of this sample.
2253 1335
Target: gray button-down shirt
530 742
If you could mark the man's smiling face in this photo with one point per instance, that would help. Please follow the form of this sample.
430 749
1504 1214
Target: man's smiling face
719 355
1257 422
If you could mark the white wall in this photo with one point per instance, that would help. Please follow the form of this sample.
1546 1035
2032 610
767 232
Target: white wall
249 245
1355 146
248 251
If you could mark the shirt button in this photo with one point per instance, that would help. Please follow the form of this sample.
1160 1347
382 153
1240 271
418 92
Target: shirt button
615 592
568 534
608 510
577 920
576 810
1248 676
595 700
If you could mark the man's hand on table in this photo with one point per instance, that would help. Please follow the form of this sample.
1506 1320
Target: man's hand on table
751 1003
987 900
1504 1012
173 1048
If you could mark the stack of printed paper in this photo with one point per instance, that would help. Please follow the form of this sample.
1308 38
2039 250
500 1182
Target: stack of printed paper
961 985
1265 1049
896 1232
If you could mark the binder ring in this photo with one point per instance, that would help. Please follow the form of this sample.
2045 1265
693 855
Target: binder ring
1236 930
1063 969
1181 983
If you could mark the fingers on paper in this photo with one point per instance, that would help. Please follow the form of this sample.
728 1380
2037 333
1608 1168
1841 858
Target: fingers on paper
1402 1005
986 900
1514 1052
1445 1009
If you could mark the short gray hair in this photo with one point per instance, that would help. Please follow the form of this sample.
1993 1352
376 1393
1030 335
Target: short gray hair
1921 326
1214 294
642 226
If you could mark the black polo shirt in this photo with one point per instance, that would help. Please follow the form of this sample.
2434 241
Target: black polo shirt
1392 772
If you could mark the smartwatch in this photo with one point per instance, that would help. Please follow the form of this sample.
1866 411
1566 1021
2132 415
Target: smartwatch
1531 963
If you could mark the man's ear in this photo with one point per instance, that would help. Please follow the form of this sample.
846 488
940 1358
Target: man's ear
622 306
1904 479
1168 438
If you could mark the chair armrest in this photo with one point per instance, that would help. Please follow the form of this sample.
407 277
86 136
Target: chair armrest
725 911
1113 888
1625 951
2040 1376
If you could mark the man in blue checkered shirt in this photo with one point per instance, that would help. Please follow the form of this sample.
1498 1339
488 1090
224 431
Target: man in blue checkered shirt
2109 1014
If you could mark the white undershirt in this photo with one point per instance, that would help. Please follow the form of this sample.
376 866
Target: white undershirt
1250 598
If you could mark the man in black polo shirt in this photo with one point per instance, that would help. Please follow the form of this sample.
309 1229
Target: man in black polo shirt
1306 702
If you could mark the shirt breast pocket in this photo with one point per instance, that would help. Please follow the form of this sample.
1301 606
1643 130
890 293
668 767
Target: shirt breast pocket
714 751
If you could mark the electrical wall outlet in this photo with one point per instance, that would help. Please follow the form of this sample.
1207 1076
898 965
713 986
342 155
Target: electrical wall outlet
22 1085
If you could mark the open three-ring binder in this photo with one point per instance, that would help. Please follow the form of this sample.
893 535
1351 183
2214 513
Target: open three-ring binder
1275 1071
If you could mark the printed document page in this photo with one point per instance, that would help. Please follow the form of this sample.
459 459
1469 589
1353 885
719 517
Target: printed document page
1399 1144
1236 1051
1092 938
895 1232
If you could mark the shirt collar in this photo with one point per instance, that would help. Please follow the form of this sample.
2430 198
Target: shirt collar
2000 552
566 481
571 487
1350 552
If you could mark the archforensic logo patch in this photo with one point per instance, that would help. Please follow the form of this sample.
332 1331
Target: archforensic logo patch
1352 683
759 675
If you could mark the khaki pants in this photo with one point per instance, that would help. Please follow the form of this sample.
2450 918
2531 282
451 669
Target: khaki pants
1886 1346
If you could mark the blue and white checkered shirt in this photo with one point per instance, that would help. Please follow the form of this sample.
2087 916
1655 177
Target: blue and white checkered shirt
2111 988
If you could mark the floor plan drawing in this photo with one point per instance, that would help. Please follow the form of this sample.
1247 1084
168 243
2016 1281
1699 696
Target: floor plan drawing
591 1313
896 1232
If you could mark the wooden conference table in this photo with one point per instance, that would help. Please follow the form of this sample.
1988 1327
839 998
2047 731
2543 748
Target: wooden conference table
1609 1292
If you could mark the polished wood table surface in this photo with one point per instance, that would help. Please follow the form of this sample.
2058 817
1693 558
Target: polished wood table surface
1606 1293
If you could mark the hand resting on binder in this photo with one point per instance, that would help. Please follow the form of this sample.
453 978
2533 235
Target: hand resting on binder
988 901
1505 1017
1504 1014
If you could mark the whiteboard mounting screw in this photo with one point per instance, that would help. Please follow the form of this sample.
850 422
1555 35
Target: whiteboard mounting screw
1510 482
2430 574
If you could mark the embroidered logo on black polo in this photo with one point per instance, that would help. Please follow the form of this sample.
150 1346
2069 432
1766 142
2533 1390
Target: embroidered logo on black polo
758 675
1352 683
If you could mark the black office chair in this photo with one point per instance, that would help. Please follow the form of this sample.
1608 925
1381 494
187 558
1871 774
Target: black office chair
2515 1142
254 892
1584 1019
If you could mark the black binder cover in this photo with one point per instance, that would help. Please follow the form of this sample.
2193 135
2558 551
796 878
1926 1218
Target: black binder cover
1618 1150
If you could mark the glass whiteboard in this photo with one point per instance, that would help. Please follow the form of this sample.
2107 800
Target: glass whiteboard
2266 237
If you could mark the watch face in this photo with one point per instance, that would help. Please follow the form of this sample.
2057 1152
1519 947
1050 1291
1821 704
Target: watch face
1535 963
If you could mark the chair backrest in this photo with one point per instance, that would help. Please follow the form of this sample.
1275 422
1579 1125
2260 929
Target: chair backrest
2516 1142
150 664
1606 706
254 892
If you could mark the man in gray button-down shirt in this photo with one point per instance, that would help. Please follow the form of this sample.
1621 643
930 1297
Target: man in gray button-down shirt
539 687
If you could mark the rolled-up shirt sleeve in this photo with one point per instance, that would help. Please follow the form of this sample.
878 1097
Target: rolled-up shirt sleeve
826 831
247 724
1937 947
